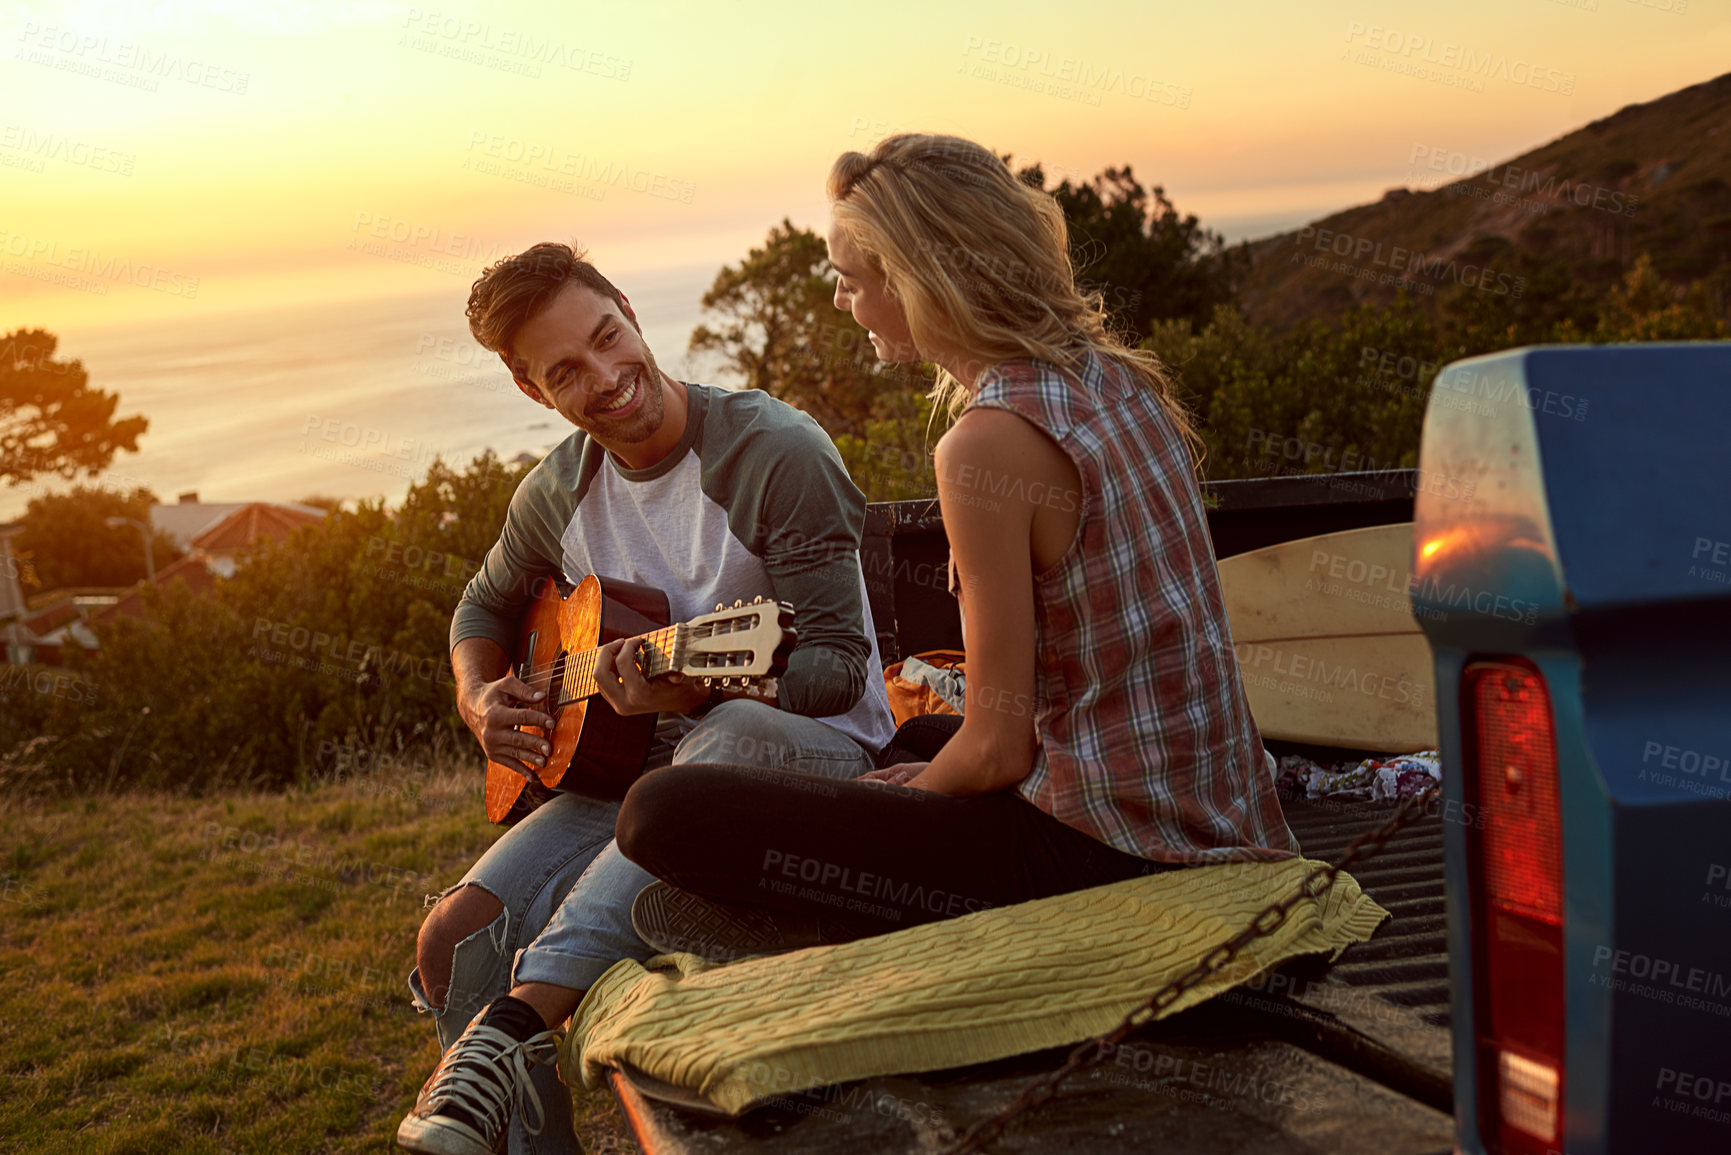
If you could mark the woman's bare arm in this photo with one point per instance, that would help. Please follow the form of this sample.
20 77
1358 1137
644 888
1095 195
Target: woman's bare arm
996 472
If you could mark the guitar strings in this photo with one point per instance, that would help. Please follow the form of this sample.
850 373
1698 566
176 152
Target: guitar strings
579 673
704 630
591 655
580 668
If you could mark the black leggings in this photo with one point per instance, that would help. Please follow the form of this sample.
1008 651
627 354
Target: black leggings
872 857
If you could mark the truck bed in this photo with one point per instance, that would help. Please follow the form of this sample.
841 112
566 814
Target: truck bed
1348 1058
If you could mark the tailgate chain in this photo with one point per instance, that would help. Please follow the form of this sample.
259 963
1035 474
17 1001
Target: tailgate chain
1315 884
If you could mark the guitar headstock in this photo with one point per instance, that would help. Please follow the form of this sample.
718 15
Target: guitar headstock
746 644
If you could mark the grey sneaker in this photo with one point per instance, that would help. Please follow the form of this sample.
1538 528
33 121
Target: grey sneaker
465 1107
676 921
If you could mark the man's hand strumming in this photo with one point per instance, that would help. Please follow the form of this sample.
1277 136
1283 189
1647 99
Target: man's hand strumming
494 710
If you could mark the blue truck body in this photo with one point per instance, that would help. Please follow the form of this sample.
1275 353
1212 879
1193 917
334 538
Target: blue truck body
1574 510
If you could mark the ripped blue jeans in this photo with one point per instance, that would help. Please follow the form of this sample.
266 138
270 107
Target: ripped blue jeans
567 891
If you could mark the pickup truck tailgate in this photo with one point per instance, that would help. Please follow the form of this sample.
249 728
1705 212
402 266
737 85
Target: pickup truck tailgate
1312 1059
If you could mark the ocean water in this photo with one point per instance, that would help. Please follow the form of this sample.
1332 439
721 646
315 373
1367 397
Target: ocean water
345 400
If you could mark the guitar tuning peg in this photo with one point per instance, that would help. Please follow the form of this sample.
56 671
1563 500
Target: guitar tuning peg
719 607
738 602
707 682
758 600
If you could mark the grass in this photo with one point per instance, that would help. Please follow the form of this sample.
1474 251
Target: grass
226 975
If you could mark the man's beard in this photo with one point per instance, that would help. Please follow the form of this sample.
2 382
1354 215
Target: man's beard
648 410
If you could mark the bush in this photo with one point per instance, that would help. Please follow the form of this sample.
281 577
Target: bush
1351 395
324 651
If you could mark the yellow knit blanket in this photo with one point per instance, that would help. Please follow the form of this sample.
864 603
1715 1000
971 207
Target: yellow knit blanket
968 990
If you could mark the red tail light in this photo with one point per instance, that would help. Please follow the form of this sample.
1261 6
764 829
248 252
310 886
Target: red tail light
1518 937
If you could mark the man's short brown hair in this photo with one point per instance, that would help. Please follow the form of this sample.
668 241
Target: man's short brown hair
511 292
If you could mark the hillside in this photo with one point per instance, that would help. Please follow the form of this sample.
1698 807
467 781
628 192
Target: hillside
1653 178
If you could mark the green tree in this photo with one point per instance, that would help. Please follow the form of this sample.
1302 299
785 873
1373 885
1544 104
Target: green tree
892 459
1557 305
1228 374
1350 394
1647 307
1544 294
1323 398
1147 261
778 329
68 540
458 512
335 638
51 420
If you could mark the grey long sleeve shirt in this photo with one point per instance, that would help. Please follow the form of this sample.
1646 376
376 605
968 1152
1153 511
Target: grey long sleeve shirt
754 500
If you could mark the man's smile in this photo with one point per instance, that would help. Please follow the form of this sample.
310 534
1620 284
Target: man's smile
624 396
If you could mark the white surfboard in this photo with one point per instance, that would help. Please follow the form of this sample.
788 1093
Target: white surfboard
1327 643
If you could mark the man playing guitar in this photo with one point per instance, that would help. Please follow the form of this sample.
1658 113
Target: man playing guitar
708 495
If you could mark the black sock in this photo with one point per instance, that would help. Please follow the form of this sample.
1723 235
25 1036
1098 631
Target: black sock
515 1017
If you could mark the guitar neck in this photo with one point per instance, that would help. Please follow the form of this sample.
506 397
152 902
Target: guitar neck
654 659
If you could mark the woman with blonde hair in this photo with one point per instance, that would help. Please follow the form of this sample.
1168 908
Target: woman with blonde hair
1106 733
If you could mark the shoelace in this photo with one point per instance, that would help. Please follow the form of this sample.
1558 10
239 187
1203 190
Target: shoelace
484 1095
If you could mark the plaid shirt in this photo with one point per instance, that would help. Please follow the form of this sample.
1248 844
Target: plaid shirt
1146 740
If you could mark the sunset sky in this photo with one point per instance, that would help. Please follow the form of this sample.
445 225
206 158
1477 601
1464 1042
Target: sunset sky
257 147
170 162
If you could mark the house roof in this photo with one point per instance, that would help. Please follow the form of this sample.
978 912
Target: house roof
190 569
52 618
206 530
186 521
254 523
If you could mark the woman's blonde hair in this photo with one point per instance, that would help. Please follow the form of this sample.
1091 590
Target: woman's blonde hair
979 260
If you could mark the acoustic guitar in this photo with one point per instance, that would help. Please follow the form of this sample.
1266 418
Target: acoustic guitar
596 751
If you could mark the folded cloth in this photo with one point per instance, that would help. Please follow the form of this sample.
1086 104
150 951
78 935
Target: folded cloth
948 684
1396 777
984 986
1406 775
